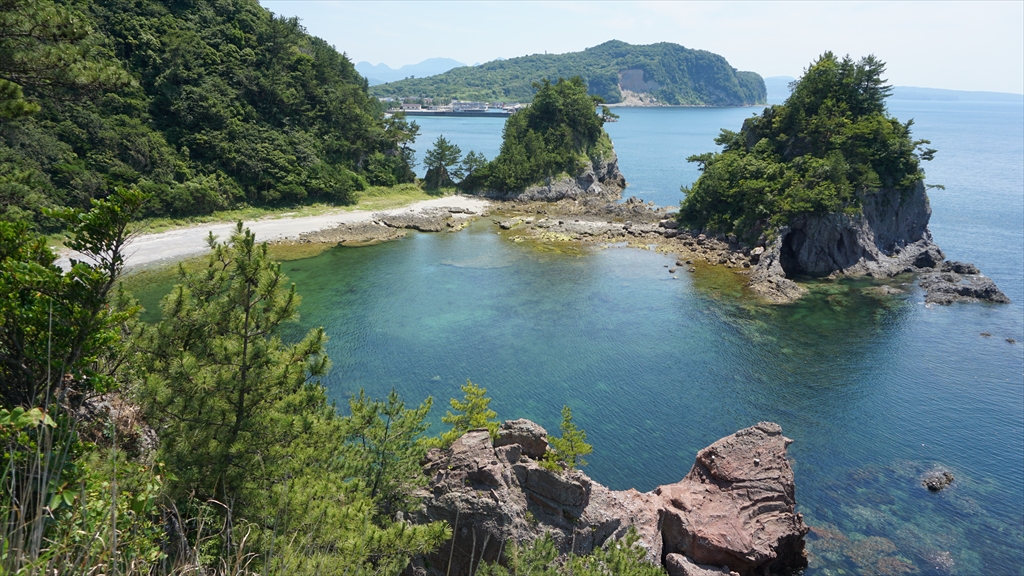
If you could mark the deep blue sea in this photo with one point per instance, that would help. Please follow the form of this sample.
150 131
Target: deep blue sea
875 391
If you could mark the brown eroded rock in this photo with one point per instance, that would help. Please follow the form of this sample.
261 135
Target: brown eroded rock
679 565
736 507
531 437
733 513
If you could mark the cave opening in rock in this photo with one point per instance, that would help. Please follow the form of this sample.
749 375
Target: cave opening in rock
791 243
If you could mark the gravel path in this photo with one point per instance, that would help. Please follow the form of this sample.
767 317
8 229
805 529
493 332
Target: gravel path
182 243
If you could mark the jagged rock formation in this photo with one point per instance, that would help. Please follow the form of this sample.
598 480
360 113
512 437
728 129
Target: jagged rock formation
734 511
599 179
889 236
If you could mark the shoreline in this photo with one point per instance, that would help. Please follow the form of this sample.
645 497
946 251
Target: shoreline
181 243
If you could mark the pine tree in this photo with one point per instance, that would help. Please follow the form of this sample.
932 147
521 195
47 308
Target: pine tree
474 415
224 387
442 163
571 447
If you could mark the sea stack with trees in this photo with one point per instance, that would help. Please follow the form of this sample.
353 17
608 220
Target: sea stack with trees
828 184
554 149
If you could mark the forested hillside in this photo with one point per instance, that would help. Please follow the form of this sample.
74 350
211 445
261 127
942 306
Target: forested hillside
214 103
671 73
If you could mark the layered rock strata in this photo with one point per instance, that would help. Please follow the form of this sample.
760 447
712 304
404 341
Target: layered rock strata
733 513
889 236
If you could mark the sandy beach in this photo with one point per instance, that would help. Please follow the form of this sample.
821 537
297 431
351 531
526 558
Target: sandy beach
180 243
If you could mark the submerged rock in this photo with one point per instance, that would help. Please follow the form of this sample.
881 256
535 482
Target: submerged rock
733 513
937 480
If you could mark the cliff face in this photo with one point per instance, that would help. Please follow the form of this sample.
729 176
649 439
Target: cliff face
600 178
734 512
889 236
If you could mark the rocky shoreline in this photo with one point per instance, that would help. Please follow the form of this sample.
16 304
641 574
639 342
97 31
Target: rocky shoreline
386 226
888 237
733 513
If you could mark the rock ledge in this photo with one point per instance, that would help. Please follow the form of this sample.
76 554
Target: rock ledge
733 513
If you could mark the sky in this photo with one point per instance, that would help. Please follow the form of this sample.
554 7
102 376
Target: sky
953 45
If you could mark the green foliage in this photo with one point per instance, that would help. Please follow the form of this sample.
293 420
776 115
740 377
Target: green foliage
115 501
471 413
49 48
380 170
228 105
64 508
570 449
550 137
472 162
830 143
384 451
625 557
55 324
607 115
253 443
443 164
223 387
672 73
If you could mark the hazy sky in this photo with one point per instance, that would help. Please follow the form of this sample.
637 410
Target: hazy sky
956 45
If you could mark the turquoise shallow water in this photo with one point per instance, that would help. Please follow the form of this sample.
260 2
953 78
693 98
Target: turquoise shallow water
874 392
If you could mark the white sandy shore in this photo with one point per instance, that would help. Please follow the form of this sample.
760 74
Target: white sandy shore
183 243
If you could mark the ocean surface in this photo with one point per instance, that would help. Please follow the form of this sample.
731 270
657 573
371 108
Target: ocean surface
874 391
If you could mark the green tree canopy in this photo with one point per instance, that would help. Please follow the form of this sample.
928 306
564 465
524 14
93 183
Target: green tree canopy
443 164
49 48
55 325
556 134
570 448
831 142
245 423
471 413
221 384
219 103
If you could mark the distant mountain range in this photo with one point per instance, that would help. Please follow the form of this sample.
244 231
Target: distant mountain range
381 73
778 91
654 74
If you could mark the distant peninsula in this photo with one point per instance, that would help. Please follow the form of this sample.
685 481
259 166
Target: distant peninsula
654 74
381 73
778 91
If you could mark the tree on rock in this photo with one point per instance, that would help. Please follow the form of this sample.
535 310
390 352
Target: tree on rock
443 164
570 448
829 145
471 413
556 134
